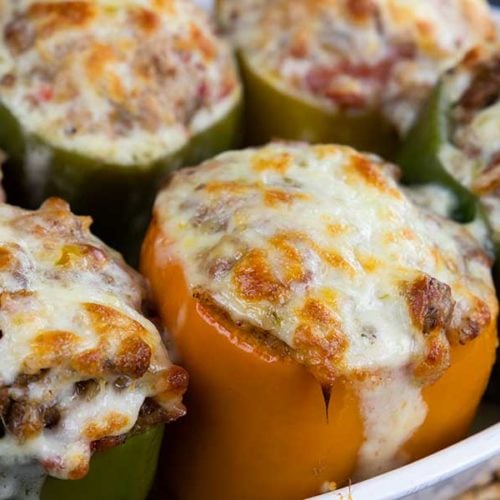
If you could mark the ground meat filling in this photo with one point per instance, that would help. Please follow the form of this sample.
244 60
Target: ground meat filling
286 242
81 366
482 93
152 74
357 55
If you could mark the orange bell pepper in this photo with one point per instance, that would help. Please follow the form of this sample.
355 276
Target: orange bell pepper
259 425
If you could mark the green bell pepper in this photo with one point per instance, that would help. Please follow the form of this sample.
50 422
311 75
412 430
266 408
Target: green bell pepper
420 163
122 473
271 113
419 155
118 197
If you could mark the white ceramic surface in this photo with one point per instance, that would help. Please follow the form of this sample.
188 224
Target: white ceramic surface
206 4
440 476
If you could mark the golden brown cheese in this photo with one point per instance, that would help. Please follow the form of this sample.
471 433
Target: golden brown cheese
320 248
357 54
80 365
128 82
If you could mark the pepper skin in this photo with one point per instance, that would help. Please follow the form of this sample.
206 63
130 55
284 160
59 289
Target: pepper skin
119 198
259 425
419 155
289 117
122 473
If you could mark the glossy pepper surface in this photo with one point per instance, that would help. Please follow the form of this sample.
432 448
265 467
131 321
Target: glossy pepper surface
419 155
272 113
122 473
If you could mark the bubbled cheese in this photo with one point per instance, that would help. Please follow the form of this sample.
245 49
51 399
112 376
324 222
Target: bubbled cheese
357 54
79 361
122 82
316 253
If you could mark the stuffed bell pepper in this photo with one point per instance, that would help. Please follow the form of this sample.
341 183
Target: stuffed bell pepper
332 329
85 381
348 71
456 144
99 99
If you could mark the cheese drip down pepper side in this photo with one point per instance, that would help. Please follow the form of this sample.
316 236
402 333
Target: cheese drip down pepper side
332 329
99 100
351 71
82 369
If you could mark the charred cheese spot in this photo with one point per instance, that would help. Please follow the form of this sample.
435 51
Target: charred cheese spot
113 423
361 9
133 357
435 360
112 324
51 348
430 303
61 16
274 197
78 357
145 19
335 260
294 268
7 258
90 363
366 170
317 316
199 39
316 313
321 355
279 163
255 281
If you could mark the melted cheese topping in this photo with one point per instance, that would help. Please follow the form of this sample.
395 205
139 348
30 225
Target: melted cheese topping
126 82
318 248
357 54
472 154
432 197
289 238
78 359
